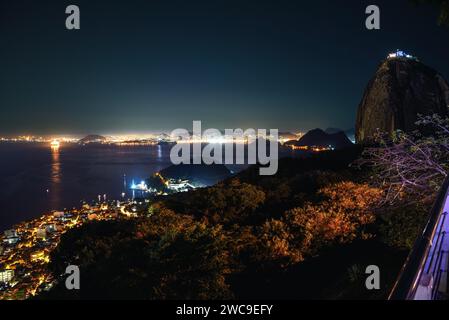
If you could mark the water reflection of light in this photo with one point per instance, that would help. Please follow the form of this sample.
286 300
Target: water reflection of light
55 166
55 180
55 145
159 151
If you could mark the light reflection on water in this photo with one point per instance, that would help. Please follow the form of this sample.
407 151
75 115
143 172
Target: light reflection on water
36 179
55 166
55 180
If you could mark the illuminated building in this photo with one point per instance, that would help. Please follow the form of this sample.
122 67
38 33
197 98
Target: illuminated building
401 54
180 185
6 276
299 147
11 237
51 228
41 234
92 216
10 233
142 186
39 256
313 148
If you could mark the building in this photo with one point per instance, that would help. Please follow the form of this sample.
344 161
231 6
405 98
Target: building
51 228
10 233
92 216
401 54
6 276
179 185
58 214
142 186
12 240
41 234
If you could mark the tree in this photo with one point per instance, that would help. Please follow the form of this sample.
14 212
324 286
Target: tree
225 203
347 207
410 166
179 259
276 244
399 227
161 220
339 217
190 265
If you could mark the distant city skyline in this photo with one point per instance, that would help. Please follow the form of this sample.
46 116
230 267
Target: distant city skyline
156 66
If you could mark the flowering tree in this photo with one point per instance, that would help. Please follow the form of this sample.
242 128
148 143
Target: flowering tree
410 166
340 218
341 215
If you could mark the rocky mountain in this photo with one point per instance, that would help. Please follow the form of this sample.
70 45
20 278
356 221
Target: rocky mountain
92 138
318 137
401 89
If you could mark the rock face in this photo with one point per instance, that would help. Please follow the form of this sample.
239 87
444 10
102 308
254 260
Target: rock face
400 90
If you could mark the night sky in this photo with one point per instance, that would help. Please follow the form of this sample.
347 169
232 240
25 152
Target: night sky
142 66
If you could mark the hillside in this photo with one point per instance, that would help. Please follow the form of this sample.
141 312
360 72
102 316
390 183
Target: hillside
92 138
319 138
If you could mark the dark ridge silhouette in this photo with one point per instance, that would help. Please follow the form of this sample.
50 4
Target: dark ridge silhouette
92 138
319 138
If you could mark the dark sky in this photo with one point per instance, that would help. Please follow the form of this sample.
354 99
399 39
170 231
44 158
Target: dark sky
140 66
